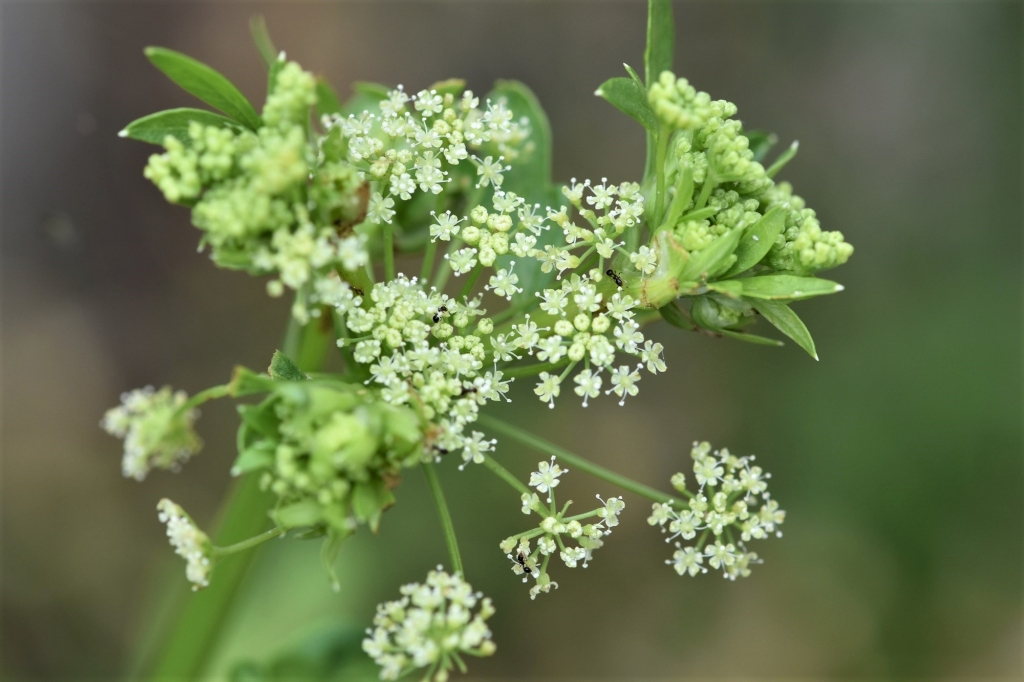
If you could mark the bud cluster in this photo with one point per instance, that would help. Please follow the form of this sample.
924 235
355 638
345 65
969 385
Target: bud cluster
157 428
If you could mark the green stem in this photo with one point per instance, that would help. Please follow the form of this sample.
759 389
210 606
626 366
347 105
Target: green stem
446 518
537 443
471 280
248 544
531 370
389 251
505 475
705 191
659 200
428 261
189 638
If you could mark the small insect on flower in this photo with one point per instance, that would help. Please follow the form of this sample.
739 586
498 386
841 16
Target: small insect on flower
442 311
615 277
521 560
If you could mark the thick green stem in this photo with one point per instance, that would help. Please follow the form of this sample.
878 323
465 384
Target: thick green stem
446 518
659 169
187 641
428 261
389 251
537 443
505 475
474 275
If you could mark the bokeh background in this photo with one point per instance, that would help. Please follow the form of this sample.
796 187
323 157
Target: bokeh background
897 456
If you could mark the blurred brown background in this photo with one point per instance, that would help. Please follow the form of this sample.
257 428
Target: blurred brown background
898 456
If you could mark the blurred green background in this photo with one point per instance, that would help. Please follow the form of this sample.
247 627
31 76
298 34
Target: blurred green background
897 456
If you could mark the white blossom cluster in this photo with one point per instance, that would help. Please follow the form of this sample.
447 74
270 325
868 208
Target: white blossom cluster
404 150
431 626
157 428
446 382
299 256
732 505
556 530
190 543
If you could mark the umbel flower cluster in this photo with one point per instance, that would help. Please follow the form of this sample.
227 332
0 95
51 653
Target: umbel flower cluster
518 278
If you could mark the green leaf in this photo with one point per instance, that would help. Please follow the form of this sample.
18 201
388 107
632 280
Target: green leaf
784 158
661 39
530 178
258 456
367 97
751 338
174 122
787 322
675 316
760 143
369 500
757 240
275 69
711 260
298 514
283 369
329 554
629 97
732 288
207 84
327 100
633 75
788 287
261 418
682 197
261 37
699 214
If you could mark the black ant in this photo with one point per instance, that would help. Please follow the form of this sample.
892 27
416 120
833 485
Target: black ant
468 390
441 451
615 276
357 291
521 560
440 312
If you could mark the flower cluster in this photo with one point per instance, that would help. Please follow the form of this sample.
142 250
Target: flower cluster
732 505
803 246
556 530
432 626
157 428
269 200
190 543
407 150
330 452
426 350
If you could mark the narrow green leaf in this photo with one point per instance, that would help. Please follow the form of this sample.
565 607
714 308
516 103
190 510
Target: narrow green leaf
634 76
661 39
709 261
731 288
699 214
174 122
752 338
760 143
261 418
275 69
788 287
784 158
367 97
327 101
681 198
283 369
787 322
207 84
261 37
629 97
757 240
675 316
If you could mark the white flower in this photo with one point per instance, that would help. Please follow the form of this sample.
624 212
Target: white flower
660 514
644 260
588 385
380 208
546 476
624 382
548 388
463 260
445 227
651 354
571 555
504 283
687 560
430 626
476 446
720 555
429 102
157 429
490 171
609 513
190 543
